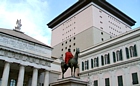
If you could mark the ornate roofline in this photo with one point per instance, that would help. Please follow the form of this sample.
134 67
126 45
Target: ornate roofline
81 3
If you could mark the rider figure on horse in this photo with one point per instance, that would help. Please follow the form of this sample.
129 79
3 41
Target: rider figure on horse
68 56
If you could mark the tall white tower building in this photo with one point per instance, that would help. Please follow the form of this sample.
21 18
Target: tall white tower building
85 24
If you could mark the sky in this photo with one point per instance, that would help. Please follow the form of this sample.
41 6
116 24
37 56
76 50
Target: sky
35 14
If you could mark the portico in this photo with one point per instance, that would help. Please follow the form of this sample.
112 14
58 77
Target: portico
23 60
13 73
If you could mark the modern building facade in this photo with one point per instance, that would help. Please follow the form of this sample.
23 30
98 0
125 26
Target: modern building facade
115 62
86 23
25 61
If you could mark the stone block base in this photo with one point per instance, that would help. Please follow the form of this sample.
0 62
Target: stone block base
69 81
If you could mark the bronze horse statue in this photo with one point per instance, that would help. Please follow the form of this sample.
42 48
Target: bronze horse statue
73 63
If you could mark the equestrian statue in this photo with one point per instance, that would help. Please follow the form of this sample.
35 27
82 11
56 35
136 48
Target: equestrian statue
70 61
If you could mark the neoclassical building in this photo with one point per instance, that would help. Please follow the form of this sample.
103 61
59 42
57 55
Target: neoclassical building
115 62
25 61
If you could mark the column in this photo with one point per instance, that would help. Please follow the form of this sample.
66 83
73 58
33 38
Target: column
46 78
21 76
34 77
5 75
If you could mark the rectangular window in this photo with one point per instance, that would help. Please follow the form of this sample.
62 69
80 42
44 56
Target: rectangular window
96 83
107 83
135 78
120 81
82 66
127 52
102 60
97 61
87 64
92 63
114 57
135 50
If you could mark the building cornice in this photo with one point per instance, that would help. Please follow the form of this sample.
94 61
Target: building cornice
14 57
26 53
82 3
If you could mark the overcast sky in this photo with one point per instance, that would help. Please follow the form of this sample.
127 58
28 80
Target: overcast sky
35 14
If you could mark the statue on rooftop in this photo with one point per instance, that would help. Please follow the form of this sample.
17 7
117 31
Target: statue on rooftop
18 25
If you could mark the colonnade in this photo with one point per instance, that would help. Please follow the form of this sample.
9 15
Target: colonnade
21 75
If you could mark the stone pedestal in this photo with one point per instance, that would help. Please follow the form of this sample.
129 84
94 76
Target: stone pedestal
69 81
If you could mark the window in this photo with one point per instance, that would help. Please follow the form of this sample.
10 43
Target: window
131 51
65 47
62 55
107 83
73 50
102 39
102 33
131 48
135 78
82 66
101 22
92 63
117 56
127 52
120 81
86 65
114 57
102 60
101 27
13 82
96 63
105 59
73 44
74 38
96 83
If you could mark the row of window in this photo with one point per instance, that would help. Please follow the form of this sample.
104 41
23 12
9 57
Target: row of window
114 29
68 31
119 80
69 20
69 36
116 20
69 41
105 59
68 47
114 24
